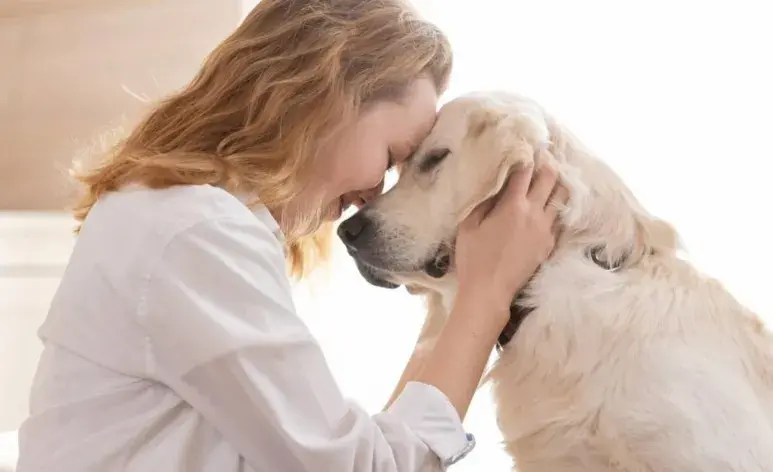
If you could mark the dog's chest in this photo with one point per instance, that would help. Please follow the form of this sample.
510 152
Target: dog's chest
572 361
549 386
552 379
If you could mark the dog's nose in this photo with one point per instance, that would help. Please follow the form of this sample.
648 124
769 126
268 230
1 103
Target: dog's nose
355 230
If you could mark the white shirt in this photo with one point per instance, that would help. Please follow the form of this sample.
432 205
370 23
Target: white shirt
172 344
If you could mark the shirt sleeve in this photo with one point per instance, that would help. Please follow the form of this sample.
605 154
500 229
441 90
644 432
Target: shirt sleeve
223 334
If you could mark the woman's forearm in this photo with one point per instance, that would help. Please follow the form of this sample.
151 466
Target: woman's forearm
430 330
456 363
414 366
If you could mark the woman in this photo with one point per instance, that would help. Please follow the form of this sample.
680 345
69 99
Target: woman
172 343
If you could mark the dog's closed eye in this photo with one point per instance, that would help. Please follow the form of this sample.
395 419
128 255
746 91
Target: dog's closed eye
433 158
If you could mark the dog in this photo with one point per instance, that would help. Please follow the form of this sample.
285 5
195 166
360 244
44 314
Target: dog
620 355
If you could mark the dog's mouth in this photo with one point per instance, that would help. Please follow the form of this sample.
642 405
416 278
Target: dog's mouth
436 267
374 276
439 265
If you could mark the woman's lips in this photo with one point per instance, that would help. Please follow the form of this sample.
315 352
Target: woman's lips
336 212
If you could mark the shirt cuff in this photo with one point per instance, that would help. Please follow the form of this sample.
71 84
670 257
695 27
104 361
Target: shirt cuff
430 415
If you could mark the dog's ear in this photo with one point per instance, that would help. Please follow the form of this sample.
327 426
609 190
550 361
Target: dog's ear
647 235
656 236
513 138
507 142
483 120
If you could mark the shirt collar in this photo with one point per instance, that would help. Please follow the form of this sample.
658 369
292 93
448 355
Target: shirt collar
265 217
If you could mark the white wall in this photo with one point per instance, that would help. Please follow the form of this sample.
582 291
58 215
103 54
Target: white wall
65 67
33 251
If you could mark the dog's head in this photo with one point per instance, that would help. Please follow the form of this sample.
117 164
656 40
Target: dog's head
407 235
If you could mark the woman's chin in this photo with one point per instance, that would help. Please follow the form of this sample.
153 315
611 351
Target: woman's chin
334 211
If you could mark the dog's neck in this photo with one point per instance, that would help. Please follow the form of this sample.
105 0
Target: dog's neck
443 296
519 311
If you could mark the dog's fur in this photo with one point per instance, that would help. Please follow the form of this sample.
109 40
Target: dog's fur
650 366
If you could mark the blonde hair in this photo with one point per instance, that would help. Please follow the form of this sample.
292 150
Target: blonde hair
253 117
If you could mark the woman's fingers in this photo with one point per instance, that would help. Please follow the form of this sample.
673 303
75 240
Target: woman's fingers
479 213
557 201
544 183
539 187
513 196
517 186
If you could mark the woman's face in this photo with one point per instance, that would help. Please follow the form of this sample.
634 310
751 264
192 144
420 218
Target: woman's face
350 169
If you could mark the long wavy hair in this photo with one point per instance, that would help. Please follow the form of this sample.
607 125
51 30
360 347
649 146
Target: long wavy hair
253 117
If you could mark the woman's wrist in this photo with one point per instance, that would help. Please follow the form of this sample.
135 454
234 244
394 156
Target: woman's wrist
481 312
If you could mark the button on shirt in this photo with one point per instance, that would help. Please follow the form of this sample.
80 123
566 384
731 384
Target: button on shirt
172 344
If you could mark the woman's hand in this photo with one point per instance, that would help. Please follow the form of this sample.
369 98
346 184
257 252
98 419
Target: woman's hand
501 244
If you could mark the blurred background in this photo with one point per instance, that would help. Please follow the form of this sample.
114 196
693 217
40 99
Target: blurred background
675 94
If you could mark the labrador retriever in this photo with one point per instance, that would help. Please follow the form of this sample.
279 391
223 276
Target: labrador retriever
620 355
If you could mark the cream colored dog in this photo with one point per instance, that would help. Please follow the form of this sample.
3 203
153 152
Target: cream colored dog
630 359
